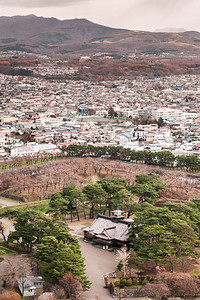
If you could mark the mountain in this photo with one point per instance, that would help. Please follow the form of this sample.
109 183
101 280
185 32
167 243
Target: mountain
52 36
170 29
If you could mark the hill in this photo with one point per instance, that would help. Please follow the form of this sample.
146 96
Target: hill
40 181
52 36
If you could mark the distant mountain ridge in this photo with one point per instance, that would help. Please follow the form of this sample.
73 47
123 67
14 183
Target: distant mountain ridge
170 29
52 36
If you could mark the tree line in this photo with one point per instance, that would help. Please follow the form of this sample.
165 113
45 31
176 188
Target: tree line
161 158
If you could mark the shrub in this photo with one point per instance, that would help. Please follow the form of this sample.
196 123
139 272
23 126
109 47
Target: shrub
134 259
145 281
129 282
122 283
10 295
119 266
117 283
181 285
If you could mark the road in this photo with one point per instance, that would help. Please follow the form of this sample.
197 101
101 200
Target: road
5 202
98 262
7 223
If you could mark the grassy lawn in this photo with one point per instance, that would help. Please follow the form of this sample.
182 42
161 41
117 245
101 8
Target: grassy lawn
31 162
87 223
42 205
8 251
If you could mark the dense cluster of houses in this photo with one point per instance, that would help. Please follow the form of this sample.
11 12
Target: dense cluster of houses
58 113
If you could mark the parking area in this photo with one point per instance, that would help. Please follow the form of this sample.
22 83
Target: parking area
98 262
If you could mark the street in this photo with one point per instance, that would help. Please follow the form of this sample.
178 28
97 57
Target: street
5 202
98 262
7 223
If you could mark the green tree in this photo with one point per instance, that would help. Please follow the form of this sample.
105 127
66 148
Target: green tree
30 228
165 158
192 162
75 199
58 204
124 200
162 236
46 251
195 203
147 187
151 179
95 196
190 212
68 260
114 152
145 192
111 187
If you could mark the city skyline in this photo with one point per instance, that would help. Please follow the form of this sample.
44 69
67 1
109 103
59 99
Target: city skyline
147 15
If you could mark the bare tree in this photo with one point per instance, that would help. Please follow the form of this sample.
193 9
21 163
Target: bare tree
8 276
122 257
58 291
12 268
2 230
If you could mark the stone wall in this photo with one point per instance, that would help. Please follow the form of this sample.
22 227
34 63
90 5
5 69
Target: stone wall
10 196
150 290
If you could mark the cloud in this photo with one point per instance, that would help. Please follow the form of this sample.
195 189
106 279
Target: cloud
164 7
40 3
153 14
162 4
130 14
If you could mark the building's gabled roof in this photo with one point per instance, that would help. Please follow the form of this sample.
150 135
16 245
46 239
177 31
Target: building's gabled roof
109 228
29 281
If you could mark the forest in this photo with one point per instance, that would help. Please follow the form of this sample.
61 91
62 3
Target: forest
123 68
37 177
98 70
163 242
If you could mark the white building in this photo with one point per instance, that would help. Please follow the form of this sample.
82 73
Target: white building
30 285
32 149
168 113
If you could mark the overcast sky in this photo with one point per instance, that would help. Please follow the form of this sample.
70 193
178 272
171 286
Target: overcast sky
130 14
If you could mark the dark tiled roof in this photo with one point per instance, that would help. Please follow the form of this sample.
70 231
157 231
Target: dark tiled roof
109 228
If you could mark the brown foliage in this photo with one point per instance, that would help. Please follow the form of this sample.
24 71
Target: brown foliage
9 295
4 63
33 182
181 285
157 291
107 69
71 286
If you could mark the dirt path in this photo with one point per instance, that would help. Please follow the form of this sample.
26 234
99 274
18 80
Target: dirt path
5 202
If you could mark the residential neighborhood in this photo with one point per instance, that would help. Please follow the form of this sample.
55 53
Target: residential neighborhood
141 114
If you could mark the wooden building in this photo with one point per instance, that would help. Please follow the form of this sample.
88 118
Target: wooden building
108 231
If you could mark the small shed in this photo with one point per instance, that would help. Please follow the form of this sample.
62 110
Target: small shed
30 285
